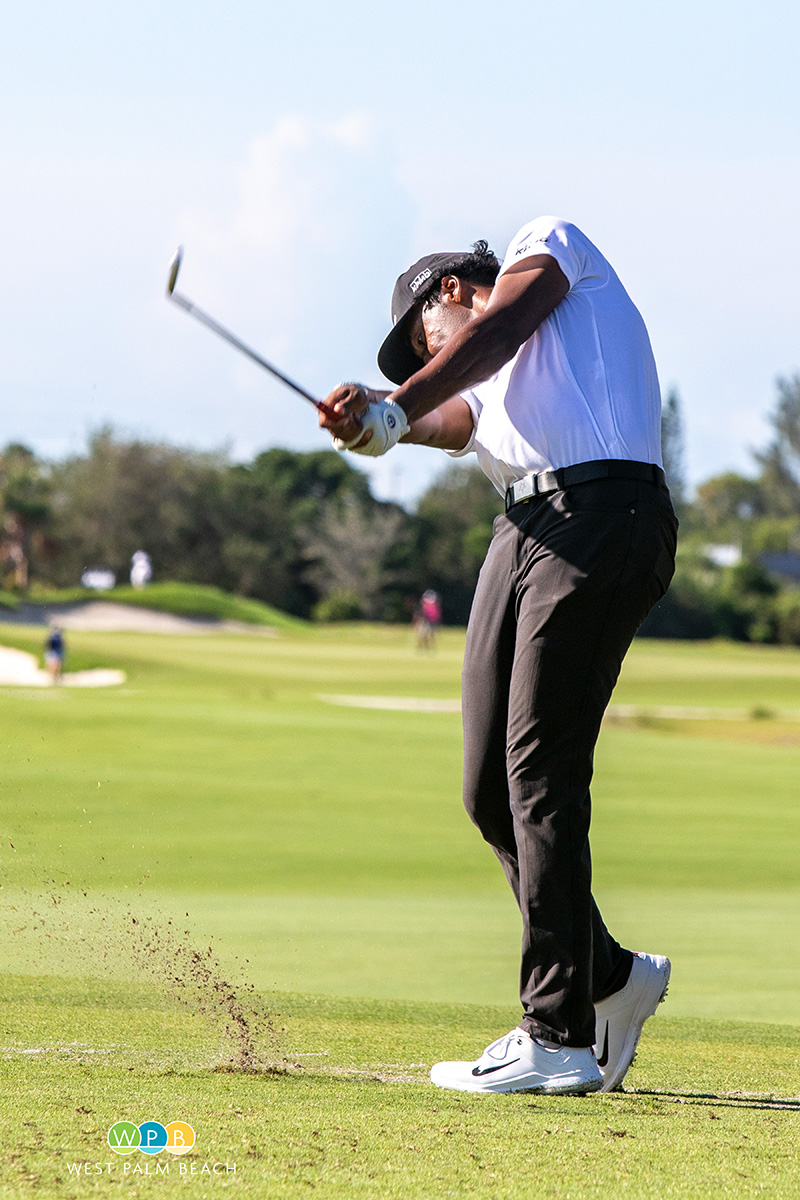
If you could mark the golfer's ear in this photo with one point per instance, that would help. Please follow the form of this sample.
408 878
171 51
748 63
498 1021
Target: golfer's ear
452 289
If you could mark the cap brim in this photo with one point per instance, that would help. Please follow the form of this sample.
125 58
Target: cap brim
396 359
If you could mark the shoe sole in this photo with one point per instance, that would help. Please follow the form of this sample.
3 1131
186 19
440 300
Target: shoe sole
647 1007
578 1088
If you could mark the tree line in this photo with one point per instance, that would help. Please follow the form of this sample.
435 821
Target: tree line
303 532
738 567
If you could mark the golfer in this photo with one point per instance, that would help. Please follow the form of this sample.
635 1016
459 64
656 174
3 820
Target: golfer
427 619
54 653
542 367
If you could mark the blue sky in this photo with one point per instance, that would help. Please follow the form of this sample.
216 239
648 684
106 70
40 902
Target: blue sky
306 154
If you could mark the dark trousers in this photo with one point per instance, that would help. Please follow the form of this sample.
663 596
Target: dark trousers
567 581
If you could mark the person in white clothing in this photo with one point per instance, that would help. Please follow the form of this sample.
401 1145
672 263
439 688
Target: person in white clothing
542 366
141 569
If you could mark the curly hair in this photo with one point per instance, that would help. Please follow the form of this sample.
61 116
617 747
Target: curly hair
481 267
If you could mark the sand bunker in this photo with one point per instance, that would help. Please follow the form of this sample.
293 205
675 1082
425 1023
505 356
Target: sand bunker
666 712
101 616
395 703
18 668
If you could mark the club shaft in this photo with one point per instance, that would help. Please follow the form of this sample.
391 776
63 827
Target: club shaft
210 323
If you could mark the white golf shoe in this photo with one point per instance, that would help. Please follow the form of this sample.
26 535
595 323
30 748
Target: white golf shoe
518 1062
620 1017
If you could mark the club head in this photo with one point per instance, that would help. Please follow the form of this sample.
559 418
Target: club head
174 267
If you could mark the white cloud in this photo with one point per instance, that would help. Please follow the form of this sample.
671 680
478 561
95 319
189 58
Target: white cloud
305 244
356 130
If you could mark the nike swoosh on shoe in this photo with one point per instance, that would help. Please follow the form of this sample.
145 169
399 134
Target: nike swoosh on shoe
489 1070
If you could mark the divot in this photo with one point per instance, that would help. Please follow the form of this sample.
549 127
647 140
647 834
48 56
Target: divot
82 930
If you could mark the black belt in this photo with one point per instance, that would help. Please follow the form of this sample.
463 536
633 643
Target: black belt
531 486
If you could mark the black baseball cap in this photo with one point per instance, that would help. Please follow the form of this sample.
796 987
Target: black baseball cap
396 358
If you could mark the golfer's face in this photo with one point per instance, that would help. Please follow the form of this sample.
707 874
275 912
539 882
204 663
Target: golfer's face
433 327
419 342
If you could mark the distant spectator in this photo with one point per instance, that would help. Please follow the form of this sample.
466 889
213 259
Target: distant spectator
54 651
141 570
427 619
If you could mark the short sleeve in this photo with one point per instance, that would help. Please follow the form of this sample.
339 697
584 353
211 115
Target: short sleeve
549 235
475 406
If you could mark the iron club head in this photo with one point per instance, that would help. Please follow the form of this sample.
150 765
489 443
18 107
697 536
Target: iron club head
174 267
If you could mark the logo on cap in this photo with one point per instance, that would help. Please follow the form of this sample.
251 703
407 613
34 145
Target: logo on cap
418 281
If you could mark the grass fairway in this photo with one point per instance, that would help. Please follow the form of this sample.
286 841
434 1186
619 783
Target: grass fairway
325 851
354 1115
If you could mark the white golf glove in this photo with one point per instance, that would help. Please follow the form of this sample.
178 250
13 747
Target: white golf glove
388 423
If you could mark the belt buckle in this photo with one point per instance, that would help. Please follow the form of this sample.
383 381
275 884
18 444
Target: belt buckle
527 487
523 489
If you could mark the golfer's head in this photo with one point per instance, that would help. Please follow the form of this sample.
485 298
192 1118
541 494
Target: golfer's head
432 301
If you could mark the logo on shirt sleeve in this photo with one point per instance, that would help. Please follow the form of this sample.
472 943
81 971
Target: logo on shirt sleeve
528 245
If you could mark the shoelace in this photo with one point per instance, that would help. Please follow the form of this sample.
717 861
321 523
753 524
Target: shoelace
506 1041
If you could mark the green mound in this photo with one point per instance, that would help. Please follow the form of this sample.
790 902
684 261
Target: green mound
181 599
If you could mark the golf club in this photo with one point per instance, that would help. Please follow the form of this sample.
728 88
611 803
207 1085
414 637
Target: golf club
210 323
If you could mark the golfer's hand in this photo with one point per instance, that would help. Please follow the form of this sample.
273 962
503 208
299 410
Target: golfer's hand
371 422
348 402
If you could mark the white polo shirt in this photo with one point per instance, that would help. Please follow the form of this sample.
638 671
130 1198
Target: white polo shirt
584 386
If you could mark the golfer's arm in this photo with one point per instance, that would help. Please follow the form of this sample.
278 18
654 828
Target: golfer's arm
448 427
521 299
